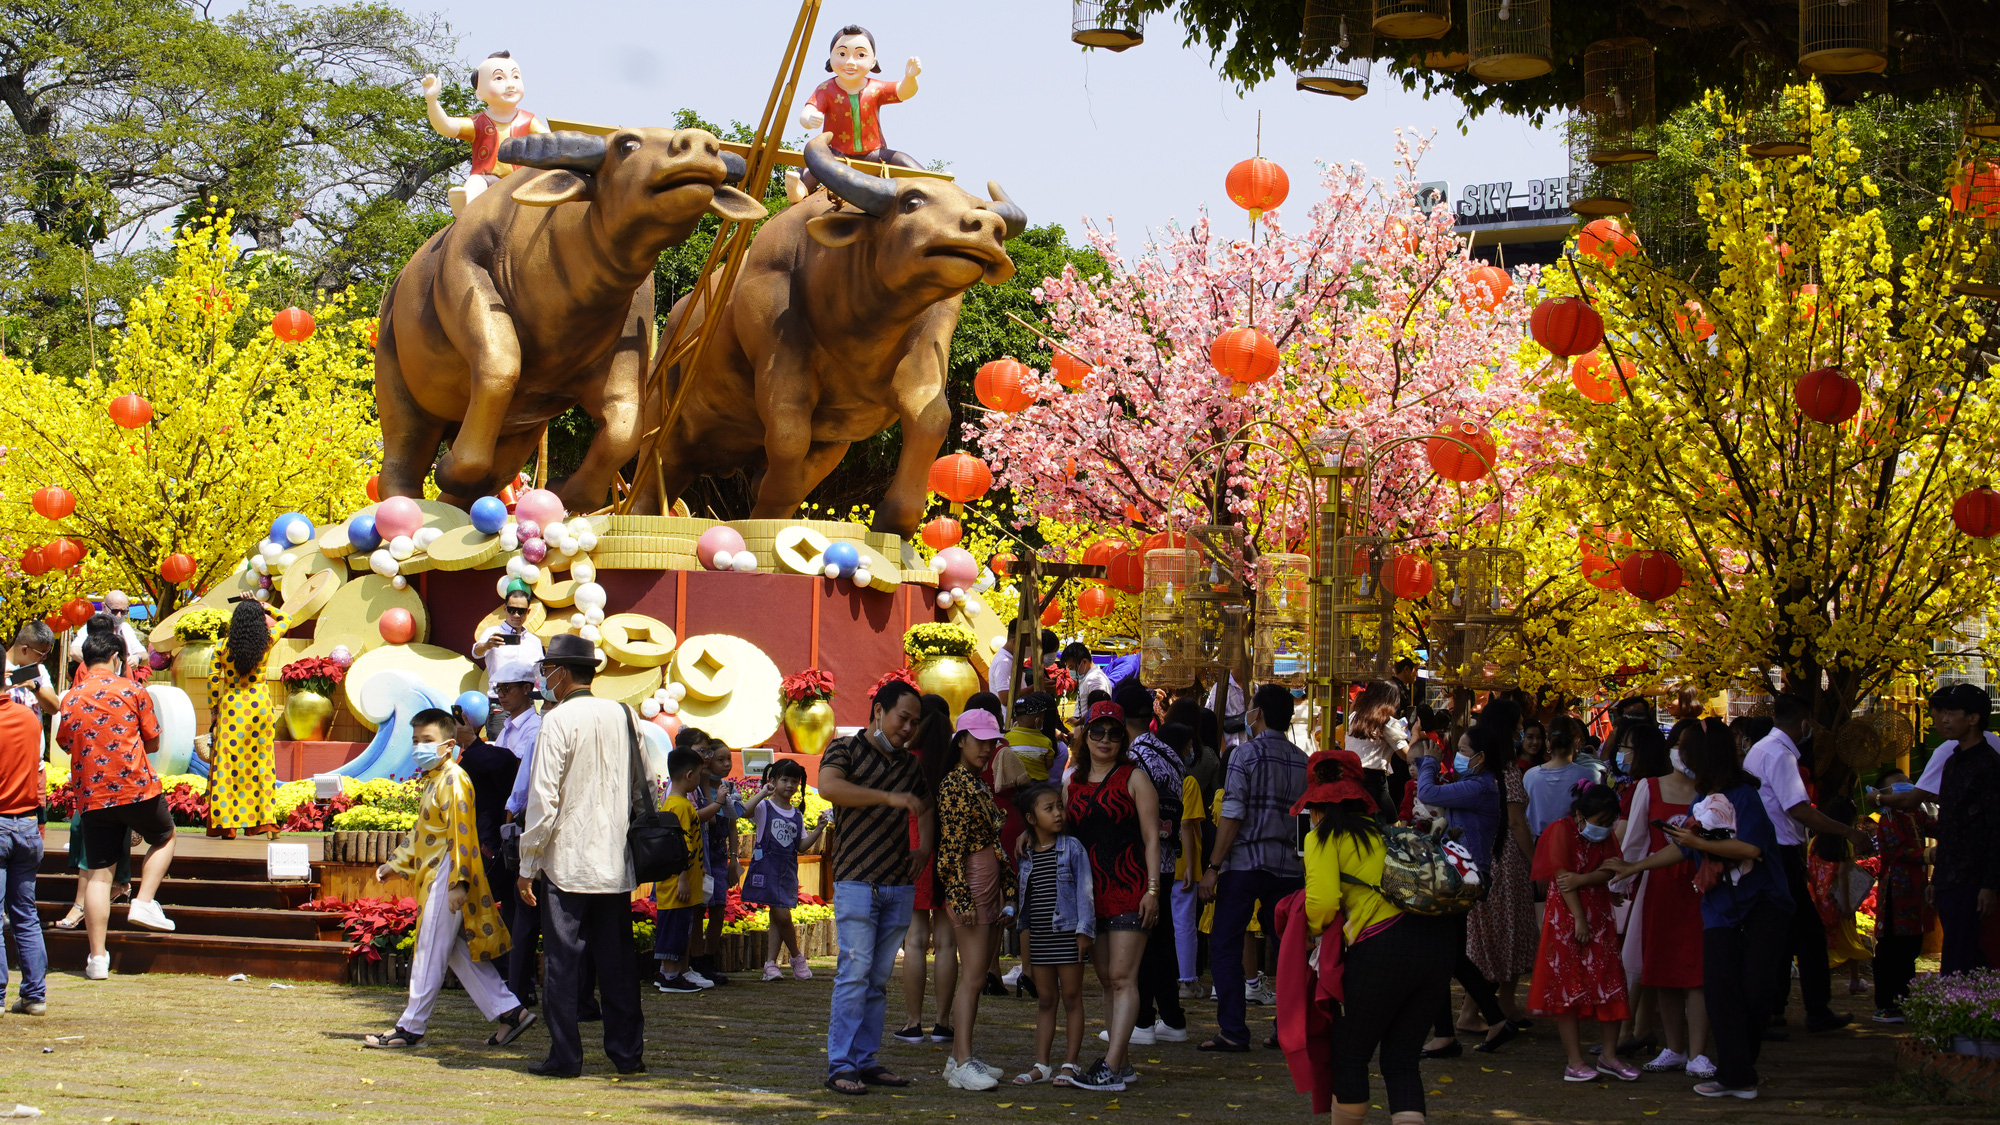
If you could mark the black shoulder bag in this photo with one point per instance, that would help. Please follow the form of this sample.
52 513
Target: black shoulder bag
659 845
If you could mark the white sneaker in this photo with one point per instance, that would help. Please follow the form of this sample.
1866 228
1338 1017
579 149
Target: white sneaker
1012 977
1164 1034
991 1070
1141 1036
1259 992
146 912
697 978
968 1076
1668 1059
1700 1067
97 967
1192 990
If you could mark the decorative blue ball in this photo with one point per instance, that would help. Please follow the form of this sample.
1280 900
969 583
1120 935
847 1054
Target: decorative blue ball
361 532
474 706
844 556
281 532
489 514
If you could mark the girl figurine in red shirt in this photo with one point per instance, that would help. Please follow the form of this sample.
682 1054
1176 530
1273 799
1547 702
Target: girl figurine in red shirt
497 81
847 104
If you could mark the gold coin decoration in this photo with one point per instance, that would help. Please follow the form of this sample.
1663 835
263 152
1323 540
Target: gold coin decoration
624 683
463 548
556 592
798 550
309 561
637 640
746 715
707 674
357 607
311 597
440 669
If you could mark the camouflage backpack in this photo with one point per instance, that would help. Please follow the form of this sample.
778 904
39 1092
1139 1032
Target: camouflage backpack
1426 873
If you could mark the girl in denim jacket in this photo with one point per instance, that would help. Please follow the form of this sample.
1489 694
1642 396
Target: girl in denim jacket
1056 912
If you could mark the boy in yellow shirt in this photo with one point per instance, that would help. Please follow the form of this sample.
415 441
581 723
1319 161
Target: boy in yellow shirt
679 900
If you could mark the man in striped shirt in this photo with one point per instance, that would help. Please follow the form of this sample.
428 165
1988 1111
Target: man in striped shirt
876 781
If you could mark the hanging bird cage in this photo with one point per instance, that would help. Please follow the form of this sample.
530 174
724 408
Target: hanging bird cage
1445 60
1617 108
1844 36
1772 126
1336 48
1357 573
1110 24
1982 125
1283 614
1412 19
1167 652
1508 40
1218 601
1595 190
1492 582
1360 621
1484 656
1974 193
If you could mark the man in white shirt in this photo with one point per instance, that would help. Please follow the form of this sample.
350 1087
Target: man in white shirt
119 605
27 676
1089 677
509 651
573 839
1002 666
1776 762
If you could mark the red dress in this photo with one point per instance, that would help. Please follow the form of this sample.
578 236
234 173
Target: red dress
1672 908
1105 820
1586 981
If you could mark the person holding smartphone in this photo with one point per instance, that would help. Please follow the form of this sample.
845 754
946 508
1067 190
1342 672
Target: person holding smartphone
508 649
28 679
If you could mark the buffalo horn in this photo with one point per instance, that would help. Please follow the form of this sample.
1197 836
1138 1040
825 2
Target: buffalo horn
870 193
1016 219
734 169
572 152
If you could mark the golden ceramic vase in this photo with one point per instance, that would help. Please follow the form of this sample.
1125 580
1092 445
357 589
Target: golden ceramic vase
949 676
308 715
809 724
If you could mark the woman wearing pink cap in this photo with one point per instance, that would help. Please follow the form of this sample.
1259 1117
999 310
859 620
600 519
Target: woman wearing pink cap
975 881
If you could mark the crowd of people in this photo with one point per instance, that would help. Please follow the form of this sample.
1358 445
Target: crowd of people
1659 885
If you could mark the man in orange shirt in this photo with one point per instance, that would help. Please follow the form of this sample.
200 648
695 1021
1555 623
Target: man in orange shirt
108 727
21 850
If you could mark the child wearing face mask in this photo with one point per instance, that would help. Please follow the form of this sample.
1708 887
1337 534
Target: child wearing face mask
1579 975
459 926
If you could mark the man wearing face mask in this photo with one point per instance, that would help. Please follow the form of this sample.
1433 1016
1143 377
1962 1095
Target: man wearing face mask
578 812
458 925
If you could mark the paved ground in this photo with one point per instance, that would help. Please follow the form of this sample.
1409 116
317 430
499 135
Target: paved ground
196 1049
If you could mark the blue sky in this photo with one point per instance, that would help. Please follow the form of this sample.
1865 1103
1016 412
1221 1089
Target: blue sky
1131 140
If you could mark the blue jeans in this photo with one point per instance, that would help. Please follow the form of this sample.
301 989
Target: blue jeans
869 922
20 857
1237 895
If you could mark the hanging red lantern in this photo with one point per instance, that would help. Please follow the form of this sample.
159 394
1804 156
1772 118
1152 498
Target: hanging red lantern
33 564
1606 241
1485 287
1702 329
54 502
960 478
1605 542
1128 572
62 553
1827 396
293 325
1454 461
1244 356
1601 572
1104 553
1599 381
1002 385
131 411
1053 614
1257 186
374 334
56 622
1651 575
1162 540
76 551
943 532
1409 576
1069 370
1977 190
1566 326
1406 234
177 568
999 564
1095 602
79 612
1977 513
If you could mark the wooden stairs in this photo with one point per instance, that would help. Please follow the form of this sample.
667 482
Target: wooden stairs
229 919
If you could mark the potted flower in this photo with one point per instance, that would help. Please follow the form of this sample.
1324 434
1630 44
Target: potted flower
309 685
1959 1013
938 651
808 711
197 630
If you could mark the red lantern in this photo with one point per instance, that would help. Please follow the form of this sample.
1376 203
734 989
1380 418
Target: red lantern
1053 614
177 568
1594 542
1566 326
1702 328
131 411
1106 553
1244 356
1095 602
1257 186
1409 576
63 553
1598 381
1162 540
1977 513
1000 385
1606 241
1977 190
960 477
56 622
1069 369
1454 461
78 613
54 502
1826 396
33 564
1485 287
1601 572
1651 575
293 325
1128 572
375 491
1408 234
943 532
999 564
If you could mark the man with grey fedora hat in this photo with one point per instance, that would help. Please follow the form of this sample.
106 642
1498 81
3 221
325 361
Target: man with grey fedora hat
573 839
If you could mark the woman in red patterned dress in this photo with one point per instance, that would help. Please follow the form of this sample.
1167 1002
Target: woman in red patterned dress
1579 975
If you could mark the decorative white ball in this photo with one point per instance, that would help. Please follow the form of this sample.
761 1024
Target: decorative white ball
500 586
568 546
583 570
383 563
958 593
831 571
676 691
298 531
400 582
598 655
648 708
723 560
944 599
937 562
974 605
260 564
402 547
510 538
660 695
862 577
288 558
269 549
262 595
589 633
554 531
594 615
671 706
998 642
530 573
426 536
590 594
577 620
745 562
587 539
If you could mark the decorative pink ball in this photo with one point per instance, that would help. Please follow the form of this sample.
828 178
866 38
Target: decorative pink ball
669 723
715 540
527 529
535 550
158 660
341 655
397 626
398 515
960 571
539 505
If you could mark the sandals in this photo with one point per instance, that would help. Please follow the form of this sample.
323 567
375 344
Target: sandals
1220 1044
1068 1074
879 1075
511 1026
853 1087
1037 1073
69 921
396 1040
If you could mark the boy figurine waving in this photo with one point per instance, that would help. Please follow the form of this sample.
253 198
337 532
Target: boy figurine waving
847 105
497 82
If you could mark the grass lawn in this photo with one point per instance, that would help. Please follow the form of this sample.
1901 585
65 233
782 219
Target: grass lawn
198 1049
